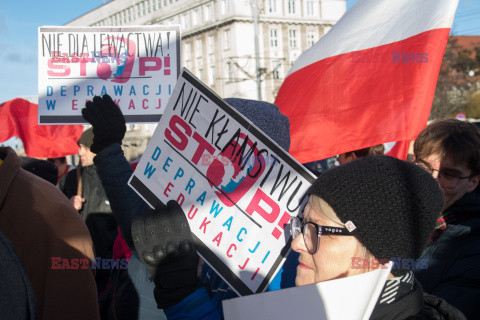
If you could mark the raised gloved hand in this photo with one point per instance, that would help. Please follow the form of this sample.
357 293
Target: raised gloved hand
165 245
107 122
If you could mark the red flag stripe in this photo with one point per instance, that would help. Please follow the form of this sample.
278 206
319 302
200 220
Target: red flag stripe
399 150
364 98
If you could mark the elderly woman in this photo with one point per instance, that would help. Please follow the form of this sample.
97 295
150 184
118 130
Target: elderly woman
373 209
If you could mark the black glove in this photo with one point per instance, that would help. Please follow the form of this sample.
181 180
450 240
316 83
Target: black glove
165 245
107 121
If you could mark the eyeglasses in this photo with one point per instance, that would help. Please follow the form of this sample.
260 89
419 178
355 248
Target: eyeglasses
447 178
312 232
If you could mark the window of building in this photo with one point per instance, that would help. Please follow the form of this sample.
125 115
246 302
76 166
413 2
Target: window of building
211 44
188 51
159 4
200 68
208 12
311 38
195 17
198 48
211 69
310 8
182 20
144 11
276 64
292 6
272 6
230 74
224 6
211 76
185 21
226 39
273 38
292 38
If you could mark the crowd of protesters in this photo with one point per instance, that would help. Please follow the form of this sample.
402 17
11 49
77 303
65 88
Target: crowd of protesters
74 244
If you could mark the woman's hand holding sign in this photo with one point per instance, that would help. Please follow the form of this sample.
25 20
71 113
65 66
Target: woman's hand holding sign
165 245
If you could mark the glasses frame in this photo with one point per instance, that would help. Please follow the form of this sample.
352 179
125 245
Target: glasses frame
329 230
427 167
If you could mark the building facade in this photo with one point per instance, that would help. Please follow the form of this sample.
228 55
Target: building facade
218 36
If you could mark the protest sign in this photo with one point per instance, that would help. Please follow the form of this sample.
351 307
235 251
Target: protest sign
351 298
237 188
136 66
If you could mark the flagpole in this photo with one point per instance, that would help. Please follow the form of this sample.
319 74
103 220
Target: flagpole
257 51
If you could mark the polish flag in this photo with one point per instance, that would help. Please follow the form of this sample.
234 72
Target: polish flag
398 149
19 118
369 80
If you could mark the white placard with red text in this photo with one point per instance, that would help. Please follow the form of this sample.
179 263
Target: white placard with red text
136 66
237 188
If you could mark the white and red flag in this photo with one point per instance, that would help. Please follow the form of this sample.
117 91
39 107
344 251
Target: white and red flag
369 80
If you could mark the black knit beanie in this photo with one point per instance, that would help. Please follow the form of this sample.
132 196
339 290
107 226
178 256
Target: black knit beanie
392 204
86 138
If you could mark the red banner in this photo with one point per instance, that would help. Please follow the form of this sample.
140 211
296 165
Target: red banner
19 118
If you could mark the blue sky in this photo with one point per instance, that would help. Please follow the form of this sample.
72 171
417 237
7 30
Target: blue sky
18 36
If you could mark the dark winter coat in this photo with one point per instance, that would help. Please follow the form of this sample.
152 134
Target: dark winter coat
453 271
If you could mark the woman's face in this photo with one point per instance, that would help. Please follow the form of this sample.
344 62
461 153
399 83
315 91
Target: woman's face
333 258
